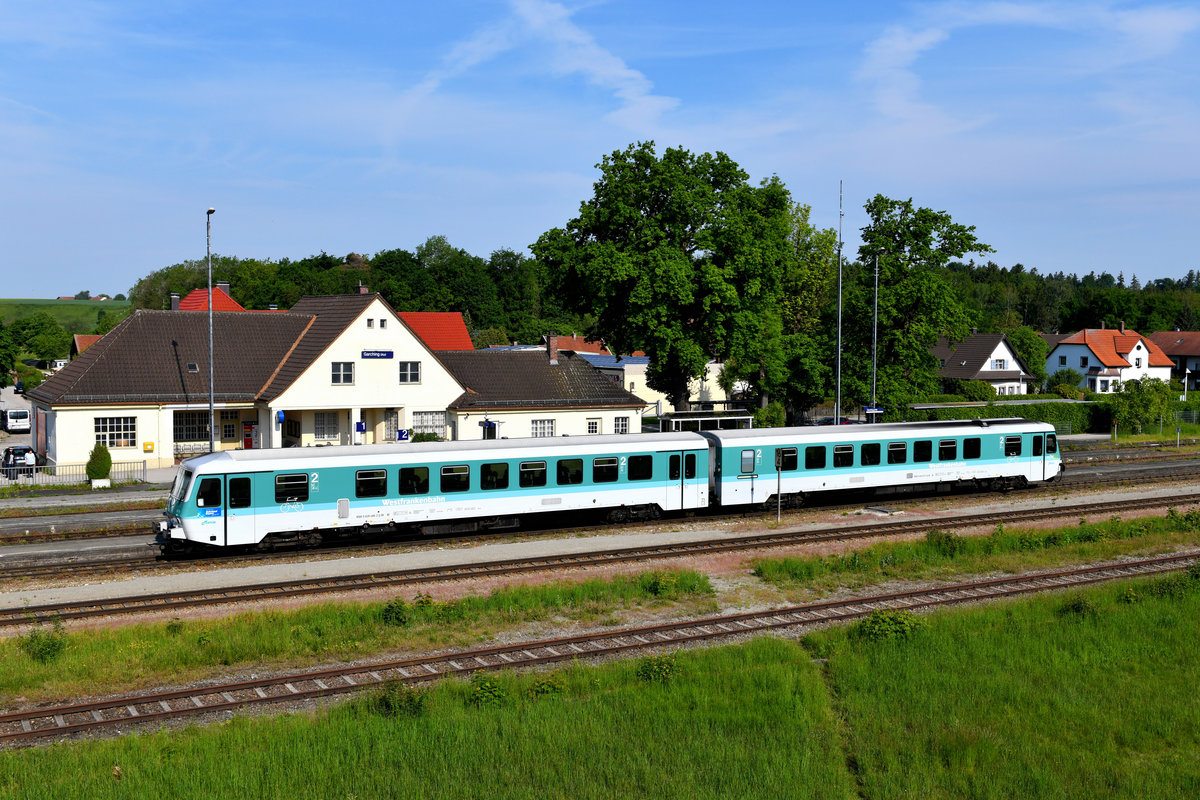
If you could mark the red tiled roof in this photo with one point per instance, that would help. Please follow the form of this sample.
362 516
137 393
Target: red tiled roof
82 341
439 330
1112 346
197 300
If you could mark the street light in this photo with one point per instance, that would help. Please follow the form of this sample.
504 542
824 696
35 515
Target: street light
212 442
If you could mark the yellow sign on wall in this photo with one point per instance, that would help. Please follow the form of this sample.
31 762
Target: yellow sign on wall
147 447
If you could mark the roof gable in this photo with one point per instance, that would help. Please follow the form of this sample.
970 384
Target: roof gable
970 359
197 300
1112 347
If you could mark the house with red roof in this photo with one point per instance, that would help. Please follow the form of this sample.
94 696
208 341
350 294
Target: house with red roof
197 300
1108 357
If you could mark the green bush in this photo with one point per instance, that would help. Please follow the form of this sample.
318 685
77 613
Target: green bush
44 645
944 543
486 692
400 700
1077 606
546 685
888 624
658 669
773 416
99 463
395 612
975 391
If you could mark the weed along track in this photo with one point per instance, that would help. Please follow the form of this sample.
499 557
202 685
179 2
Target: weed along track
116 713
169 601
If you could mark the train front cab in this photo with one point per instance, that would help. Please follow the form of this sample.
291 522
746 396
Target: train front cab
210 509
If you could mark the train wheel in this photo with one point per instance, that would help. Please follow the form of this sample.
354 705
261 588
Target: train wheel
619 516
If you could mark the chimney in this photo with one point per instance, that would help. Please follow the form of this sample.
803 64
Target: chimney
174 301
552 349
363 289
1122 326
224 287
1101 324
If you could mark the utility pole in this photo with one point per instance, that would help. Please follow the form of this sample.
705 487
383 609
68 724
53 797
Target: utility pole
837 400
212 440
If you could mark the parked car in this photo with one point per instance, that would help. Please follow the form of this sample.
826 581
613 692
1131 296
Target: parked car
14 461
829 421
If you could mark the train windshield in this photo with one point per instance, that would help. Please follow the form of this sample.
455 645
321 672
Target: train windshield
179 489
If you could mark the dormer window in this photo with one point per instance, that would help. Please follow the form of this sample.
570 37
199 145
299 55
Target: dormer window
193 367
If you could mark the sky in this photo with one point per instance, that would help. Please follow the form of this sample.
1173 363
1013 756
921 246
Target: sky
1067 133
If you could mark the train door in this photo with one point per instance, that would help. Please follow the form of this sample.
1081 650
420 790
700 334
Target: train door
239 511
1038 459
682 489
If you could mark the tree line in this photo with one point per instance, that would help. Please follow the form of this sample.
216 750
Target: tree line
680 256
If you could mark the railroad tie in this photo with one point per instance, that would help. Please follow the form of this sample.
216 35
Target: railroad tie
552 651
403 673
25 726
228 697
133 712
96 715
291 688
59 721
197 702
350 680
454 664
430 669
577 648
377 677
165 706
320 684
481 662
506 657
258 691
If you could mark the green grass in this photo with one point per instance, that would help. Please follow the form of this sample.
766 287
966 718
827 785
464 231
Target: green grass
1082 695
1078 696
77 316
748 722
119 659
942 555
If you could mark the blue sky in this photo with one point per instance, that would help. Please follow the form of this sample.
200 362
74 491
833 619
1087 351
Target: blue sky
1067 133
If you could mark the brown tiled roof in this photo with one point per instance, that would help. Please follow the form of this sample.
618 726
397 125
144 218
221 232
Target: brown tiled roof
330 316
1177 343
525 379
968 360
162 357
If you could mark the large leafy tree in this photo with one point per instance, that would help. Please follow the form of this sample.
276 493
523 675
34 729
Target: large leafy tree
676 256
916 301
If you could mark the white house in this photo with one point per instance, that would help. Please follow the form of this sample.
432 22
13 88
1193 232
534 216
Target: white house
1108 357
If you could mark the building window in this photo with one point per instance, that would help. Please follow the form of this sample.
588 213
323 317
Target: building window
999 364
325 425
621 425
541 428
190 426
343 372
1083 361
1062 361
383 322
1103 385
1137 362
118 431
593 426
430 422
370 322
410 371
291 428
228 431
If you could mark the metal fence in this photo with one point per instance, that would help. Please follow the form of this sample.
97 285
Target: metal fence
68 474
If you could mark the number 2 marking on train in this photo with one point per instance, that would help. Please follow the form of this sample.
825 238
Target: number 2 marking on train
312 481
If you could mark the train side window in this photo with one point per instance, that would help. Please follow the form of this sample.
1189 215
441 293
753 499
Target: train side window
673 471
788 460
923 450
971 448
494 476
1051 443
641 468
414 480
456 478
689 466
570 471
604 470
947 450
747 462
814 457
239 492
1037 445
370 483
532 473
209 494
1012 445
291 488
843 455
897 452
869 454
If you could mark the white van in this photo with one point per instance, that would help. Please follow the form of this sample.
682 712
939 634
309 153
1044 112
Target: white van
16 420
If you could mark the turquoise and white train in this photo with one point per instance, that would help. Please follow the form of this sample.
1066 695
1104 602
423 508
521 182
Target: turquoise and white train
248 498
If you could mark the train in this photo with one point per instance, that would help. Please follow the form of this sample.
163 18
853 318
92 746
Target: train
306 496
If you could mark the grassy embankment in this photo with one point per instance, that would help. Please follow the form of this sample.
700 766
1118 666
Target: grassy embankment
1079 696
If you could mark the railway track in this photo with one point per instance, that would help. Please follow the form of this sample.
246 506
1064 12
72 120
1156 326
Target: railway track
150 603
29 725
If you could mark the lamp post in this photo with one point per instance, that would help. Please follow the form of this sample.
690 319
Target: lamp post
212 441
